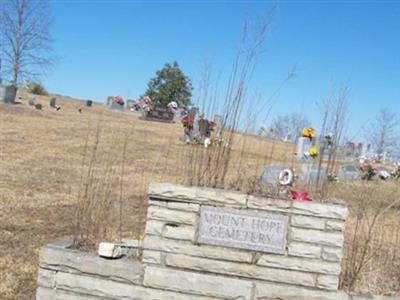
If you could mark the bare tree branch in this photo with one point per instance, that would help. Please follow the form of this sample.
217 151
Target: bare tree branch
383 132
25 40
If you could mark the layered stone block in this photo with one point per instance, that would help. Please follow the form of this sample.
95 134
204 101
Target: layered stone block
203 244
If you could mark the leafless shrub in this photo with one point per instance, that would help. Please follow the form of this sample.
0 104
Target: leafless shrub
334 119
97 196
210 167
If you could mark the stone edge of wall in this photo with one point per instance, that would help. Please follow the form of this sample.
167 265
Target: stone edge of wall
235 199
66 273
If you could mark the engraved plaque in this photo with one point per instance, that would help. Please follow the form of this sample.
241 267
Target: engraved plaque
243 229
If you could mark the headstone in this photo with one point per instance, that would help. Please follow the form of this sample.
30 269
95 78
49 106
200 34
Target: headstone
112 104
241 229
219 121
360 150
8 93
31 100
130 104
384 156
110 100
348 173
303 147
196 127
160 113
180 114
191 125
350 150
203 127
53 101
115 105
309 173
270 174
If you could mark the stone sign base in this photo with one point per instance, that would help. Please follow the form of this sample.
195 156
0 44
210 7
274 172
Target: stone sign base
174 263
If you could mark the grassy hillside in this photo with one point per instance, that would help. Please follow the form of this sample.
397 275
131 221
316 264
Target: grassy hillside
41 155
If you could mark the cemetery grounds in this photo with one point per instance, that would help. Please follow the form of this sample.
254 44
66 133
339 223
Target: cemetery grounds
41 171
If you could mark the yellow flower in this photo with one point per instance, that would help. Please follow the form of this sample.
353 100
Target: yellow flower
313 151
308 132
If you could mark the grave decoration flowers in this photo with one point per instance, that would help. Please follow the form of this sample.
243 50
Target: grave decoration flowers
146 103
368 171
119 100
333 177
172 107
313 151
286 177
135 106
187 121
396 174
308 132
299 195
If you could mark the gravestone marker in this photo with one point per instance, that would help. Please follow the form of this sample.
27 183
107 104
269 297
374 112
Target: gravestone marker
179 114
116 106
8 93
348 173
31 100
303 147
243 229
53 101
160 113
111 103
203 127
309 173
219 121
270 174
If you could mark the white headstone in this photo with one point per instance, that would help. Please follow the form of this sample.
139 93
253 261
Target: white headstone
303 146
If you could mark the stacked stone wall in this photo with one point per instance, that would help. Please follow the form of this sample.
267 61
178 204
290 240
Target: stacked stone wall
173 262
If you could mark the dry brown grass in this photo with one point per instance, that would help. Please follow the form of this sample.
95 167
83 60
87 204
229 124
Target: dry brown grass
41 153
40 170
371 256
41 156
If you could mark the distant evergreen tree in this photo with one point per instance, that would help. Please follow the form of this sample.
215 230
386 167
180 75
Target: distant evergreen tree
170 84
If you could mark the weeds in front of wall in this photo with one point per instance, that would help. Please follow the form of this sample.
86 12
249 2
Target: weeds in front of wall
101 174
372 238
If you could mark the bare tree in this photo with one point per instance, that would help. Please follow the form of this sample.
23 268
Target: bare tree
289 125
334 119
25 41
383 132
